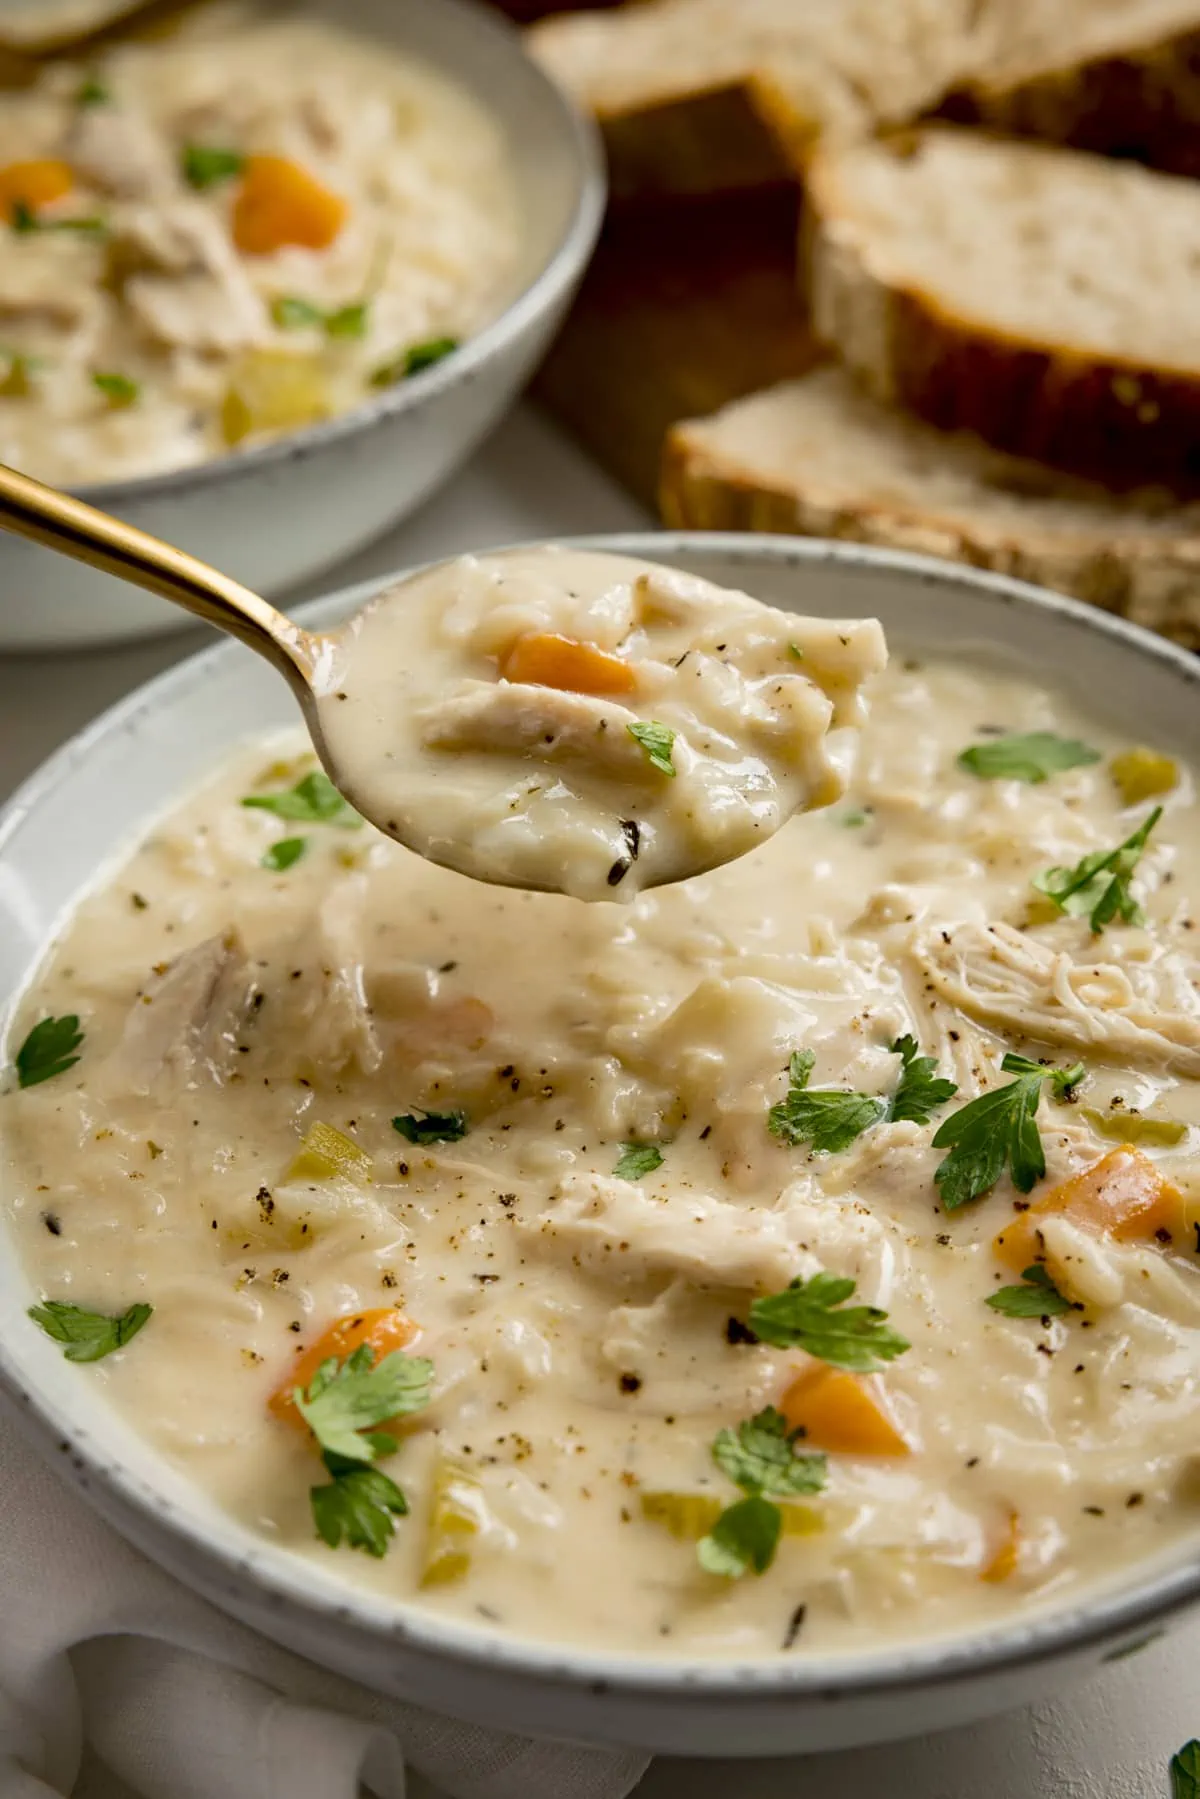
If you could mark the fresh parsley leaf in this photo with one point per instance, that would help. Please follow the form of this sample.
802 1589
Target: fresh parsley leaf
855 819
314 800
1185 1772
1099 883
348 321
358 1504
657 741
291 313
920 1090
411 361
284 854
812 1315
92 92
88 1336
203 165
351 1396
830 1118
795 652
1038 1297
1030 756
760 1458
637 1159
24 220
432 1127
48 1050
119 390
744 1537
997 1131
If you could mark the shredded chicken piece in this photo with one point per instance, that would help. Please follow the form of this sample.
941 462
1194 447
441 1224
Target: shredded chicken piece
549 722
1095 1271
40 285
333 1022
182 279
1147 1014
184 1024
119 152
612 1227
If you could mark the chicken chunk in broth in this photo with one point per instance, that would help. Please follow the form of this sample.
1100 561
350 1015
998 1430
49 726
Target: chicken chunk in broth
587 723
799 1260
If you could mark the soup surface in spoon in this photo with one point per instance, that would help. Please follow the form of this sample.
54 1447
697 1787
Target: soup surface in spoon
586 723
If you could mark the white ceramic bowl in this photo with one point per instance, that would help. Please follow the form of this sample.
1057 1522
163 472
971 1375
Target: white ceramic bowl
85 806
280 513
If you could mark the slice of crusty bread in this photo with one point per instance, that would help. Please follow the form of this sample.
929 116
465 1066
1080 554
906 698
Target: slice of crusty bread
1115 76
698 96
1043 298
819 457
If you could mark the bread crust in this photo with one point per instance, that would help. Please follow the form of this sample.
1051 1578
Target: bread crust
1143 102
1118 421
1153 583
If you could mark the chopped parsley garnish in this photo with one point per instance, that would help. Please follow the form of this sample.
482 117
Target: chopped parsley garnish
1037 1297
203 165
358 1504
48 1050
1099 884
92 92
411 361
284 854
920 1089
636 1160
997 1131
291 313
88 1336
812 1315
350 1397
830 1118
657 741
119 390
795 652
431 1127
344 1404
760 1458
1030 756
854 819
1185 1772
24 220
314 800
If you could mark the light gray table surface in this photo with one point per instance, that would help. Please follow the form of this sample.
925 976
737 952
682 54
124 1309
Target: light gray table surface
1109 1740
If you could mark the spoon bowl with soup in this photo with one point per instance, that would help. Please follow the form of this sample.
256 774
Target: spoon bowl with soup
564 720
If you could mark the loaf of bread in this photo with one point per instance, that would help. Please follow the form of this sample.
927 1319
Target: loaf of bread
698 96
1043 298
819 457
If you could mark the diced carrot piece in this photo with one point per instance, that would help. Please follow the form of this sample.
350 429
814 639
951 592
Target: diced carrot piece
280 203
1124 1195
544 659
841 1412
384 1328
33 183
1003 1561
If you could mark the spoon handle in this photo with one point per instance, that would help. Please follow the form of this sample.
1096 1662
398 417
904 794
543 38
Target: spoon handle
31 509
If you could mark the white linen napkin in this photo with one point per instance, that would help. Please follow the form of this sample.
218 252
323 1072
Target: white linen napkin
99 1646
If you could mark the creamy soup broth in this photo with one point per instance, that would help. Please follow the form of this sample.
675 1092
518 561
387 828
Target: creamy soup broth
588 1333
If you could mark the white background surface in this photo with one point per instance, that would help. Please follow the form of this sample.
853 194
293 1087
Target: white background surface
1110 1740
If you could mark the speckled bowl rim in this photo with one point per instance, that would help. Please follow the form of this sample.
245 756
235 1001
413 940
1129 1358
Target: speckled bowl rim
580 141
233 1556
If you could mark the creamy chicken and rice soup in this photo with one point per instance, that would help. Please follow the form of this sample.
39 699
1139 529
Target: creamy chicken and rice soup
223 235
587 723
796 1259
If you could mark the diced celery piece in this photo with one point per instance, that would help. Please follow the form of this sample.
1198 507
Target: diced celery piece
457 1514
274 390
327 1154
1131 1127
690 1516
1143 774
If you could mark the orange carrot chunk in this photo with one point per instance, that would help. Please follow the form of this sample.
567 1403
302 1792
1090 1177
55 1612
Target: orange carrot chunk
1004 1559
384 1329
280 203
33 184
841 1412
544 659
1123 1195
